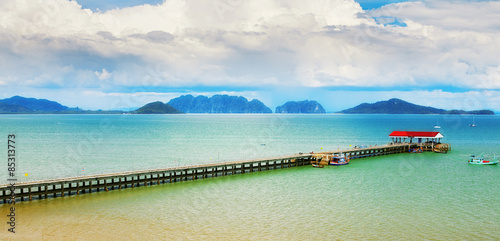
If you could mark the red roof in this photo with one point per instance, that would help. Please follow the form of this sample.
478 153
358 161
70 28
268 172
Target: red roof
417 134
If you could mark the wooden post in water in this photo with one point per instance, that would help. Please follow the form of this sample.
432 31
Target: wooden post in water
39 192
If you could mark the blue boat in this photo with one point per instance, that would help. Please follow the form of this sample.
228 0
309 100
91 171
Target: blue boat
339 160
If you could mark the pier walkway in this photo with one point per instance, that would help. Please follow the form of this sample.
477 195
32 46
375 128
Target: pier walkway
105 182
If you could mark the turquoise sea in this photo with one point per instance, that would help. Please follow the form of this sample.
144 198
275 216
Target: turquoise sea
426 196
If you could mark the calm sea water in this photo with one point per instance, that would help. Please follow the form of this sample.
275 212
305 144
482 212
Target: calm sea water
406 196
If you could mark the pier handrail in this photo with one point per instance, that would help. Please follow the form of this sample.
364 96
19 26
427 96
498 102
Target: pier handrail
208 165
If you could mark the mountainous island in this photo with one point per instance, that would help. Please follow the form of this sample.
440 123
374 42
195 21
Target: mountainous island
301 107
157 107
18 104
22 105
397 106
225 104
218 104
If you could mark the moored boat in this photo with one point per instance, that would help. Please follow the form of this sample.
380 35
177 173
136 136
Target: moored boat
339 160
415 150
480 161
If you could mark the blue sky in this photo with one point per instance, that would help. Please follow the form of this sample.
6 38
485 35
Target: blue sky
96 5
123 54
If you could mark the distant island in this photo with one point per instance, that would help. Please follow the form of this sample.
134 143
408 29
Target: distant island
22 105
397 106
18 104
157 107
301 107
218 104
225 104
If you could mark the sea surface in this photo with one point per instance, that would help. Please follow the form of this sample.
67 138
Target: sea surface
425 196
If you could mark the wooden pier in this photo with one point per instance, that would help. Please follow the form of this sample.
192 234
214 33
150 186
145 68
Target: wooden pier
106 182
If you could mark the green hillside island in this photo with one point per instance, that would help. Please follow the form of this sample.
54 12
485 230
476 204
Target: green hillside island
301 107
157 107
397 106
218 104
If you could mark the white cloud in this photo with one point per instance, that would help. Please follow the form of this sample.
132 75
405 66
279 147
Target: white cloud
180 43
104 74
193 41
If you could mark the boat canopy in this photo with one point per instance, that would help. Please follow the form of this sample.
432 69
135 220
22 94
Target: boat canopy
416 134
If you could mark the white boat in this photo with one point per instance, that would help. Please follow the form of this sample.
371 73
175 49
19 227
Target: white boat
473 122
480 161
437 126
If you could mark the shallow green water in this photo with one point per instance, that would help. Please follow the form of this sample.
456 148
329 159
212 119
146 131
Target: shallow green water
405 196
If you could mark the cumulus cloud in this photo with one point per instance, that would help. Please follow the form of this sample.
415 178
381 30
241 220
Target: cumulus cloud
180 43
195 42
104 74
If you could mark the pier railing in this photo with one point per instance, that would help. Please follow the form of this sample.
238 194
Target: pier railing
105 182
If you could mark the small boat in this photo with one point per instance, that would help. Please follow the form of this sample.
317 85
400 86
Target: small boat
437 126
339 161
317 166
473 122
480 161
